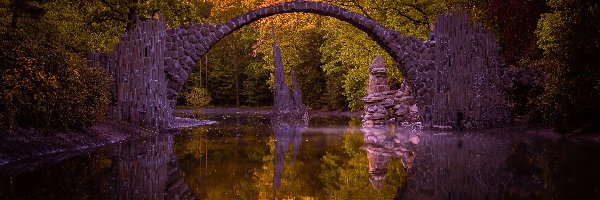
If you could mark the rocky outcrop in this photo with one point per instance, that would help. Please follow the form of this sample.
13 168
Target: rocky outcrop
286 101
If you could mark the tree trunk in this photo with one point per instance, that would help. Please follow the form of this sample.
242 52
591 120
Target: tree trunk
237 80
15 14
233 57
206 71
200 66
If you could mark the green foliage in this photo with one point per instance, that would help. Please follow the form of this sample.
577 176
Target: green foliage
198 97
570 38
95 25
45 86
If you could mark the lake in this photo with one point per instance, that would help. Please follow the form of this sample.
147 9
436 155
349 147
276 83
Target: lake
259 157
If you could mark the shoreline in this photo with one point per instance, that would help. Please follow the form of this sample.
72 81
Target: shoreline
260 111
25 149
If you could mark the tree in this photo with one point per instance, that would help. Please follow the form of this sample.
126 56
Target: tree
570 38
45 86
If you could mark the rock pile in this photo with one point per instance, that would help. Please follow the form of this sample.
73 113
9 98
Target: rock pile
383 105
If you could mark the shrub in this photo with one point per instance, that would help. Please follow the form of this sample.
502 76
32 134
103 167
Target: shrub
45 86
198 97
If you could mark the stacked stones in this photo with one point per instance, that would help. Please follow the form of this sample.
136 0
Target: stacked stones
380 100
406 109
137 65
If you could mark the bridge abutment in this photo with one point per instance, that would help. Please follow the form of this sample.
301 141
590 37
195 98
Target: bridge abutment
140 86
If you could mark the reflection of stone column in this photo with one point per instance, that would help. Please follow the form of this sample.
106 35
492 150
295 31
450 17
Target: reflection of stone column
378 161
146 169
381 144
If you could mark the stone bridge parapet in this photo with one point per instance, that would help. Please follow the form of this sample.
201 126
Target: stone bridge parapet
455 77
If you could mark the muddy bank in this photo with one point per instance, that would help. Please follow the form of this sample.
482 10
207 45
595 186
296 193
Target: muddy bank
25 149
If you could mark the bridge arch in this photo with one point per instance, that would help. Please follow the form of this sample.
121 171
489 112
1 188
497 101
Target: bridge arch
457 77
185 45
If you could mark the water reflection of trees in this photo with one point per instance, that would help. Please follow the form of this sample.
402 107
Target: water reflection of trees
219 166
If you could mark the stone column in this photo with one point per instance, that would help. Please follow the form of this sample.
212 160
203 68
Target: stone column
375 113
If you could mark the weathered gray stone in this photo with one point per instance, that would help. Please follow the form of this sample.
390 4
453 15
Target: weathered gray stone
420 61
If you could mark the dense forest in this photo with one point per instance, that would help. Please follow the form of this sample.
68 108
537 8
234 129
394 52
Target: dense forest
44 83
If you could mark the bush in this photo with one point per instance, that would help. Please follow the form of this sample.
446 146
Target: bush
45 86
198 97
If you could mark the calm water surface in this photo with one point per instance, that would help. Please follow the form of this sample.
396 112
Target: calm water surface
255 157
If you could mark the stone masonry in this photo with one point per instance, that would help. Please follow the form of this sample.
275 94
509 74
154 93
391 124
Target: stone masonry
383 105
457 77
137 66
458 80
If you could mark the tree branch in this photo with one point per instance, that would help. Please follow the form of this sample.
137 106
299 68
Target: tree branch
354 4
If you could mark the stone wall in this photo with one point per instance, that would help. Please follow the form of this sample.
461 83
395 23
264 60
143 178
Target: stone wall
456 78
470 77
137 66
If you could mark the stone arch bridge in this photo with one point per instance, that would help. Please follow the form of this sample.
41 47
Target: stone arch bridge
458 71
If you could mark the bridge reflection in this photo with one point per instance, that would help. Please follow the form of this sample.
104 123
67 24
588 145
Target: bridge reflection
383 143
147 169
